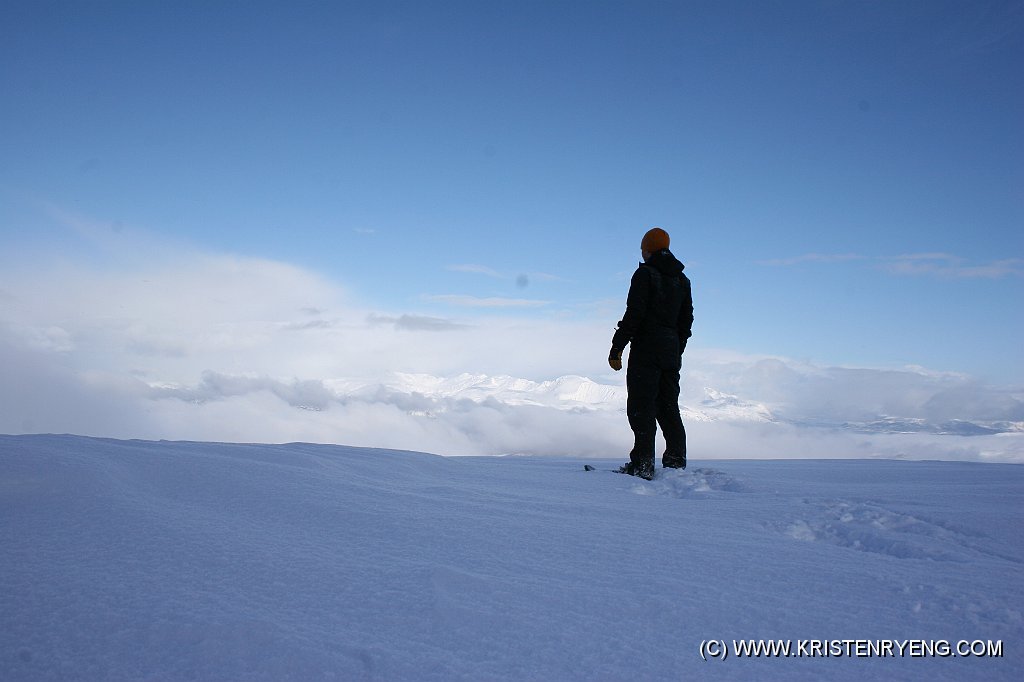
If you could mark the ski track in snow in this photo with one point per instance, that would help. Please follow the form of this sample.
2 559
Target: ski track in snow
132 560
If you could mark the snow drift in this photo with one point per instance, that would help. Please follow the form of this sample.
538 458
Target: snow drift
128 560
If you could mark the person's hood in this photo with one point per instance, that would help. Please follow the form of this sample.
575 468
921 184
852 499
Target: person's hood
665 263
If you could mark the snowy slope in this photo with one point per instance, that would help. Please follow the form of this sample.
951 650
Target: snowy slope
130 560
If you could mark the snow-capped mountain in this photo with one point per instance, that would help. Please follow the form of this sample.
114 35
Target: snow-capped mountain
722 406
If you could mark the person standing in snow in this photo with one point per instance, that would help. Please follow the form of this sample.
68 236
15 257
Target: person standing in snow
657 321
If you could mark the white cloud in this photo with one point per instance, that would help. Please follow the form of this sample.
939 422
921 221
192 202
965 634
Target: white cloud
933 264
476 270
485 302
946 265
416 322
799 392
228 348
813 258
545 277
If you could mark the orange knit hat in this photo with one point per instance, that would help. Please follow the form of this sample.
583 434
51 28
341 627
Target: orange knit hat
655 240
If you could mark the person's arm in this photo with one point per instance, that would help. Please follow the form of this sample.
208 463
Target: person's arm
685 321
636 308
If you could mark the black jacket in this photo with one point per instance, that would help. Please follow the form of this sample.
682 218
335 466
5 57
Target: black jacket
659 307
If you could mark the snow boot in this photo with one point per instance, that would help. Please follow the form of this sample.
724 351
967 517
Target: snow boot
644 470
673 461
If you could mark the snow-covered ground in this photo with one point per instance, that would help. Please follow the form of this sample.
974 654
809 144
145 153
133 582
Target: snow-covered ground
134 560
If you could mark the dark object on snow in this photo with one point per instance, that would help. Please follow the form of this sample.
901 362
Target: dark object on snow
657 322
644 470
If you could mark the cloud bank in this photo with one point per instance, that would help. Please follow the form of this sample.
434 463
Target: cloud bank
943 265
225 348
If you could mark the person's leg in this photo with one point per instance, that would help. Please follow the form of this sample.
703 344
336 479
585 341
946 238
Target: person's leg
670 421
642 383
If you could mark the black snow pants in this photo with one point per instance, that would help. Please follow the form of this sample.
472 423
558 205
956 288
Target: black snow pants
652 386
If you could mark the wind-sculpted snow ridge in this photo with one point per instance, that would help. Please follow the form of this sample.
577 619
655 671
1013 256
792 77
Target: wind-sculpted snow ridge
129 560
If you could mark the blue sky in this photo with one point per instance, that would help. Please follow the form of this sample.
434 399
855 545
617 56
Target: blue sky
843 179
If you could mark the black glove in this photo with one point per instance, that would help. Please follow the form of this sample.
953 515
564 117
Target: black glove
615 359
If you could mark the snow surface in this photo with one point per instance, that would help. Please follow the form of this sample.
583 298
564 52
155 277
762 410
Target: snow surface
134 560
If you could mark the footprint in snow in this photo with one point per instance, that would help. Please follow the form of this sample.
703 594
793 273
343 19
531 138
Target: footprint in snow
872 527
689 483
